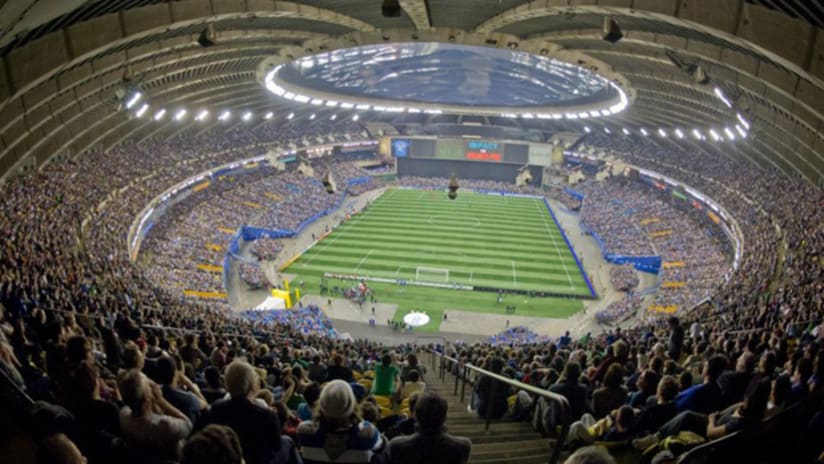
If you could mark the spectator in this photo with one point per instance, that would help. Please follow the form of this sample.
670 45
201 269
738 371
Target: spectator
257 426
431 443
387 377
612 395
150 424
215 444
571 388
188 398
338 371
490 395
214 385
705 397
336 433
590 455
413 384
715 425
317 371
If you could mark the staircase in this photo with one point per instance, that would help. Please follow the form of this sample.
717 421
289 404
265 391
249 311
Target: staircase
504 443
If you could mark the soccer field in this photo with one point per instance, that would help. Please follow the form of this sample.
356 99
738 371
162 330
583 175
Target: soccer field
478 240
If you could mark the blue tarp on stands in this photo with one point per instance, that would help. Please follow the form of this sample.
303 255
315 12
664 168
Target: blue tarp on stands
651 264
574 193
358 180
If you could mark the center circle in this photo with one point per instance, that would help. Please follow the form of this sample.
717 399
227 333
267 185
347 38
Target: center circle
416 319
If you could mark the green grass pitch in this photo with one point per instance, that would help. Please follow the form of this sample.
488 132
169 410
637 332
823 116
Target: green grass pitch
482 240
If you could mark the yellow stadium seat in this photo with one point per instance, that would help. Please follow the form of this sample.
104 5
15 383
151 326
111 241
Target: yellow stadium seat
383 401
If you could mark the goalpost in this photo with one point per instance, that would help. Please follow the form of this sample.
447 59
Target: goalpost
431 274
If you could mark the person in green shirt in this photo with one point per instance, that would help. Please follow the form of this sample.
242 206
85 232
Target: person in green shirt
387 377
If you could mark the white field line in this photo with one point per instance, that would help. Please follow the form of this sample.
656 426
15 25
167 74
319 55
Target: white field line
514 278
555 244
355 271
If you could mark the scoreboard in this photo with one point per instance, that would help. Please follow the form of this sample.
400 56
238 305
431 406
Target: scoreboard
479 150
461 149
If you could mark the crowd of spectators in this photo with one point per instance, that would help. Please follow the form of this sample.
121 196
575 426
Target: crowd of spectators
610 210
518 335
633 219
266 249
80 330
306 320
624 278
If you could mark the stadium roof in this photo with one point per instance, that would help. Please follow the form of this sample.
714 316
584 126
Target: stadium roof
69 65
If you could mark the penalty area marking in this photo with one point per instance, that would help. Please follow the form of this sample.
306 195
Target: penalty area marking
355 271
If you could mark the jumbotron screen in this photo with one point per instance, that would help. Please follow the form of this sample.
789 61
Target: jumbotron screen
490 151
481 150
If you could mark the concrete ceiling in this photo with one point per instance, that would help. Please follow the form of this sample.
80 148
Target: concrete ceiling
64 60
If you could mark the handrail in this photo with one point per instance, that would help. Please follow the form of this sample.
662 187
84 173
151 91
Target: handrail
559 400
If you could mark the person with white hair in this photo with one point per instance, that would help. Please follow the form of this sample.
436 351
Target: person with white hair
150 424
336 433
257 426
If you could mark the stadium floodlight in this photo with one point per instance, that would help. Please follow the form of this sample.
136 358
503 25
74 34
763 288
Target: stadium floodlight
316 101
595 114
268 115
159 115
334 116
571 116
142 110
331 103
289 95
181 113
744 122
434 111
697 134
379 108
607 131
714 135
662 132
347 105
741 131
586 129
301 98
644 132
527 116
133 101
557 115
729 133
202 115
355 117
583 115
679 134
225 115
312 116
414 110
720 94
247 116
290 116
362 107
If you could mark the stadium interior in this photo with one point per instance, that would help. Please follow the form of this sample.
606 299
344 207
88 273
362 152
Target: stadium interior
411 231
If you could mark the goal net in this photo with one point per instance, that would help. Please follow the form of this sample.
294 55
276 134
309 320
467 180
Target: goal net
431 274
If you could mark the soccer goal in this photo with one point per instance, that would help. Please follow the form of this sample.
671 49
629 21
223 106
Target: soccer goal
431 274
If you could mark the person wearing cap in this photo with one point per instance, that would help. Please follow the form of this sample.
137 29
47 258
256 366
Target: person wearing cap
336 433
431 443
257 426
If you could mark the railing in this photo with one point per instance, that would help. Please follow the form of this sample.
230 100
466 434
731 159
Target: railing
461 371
